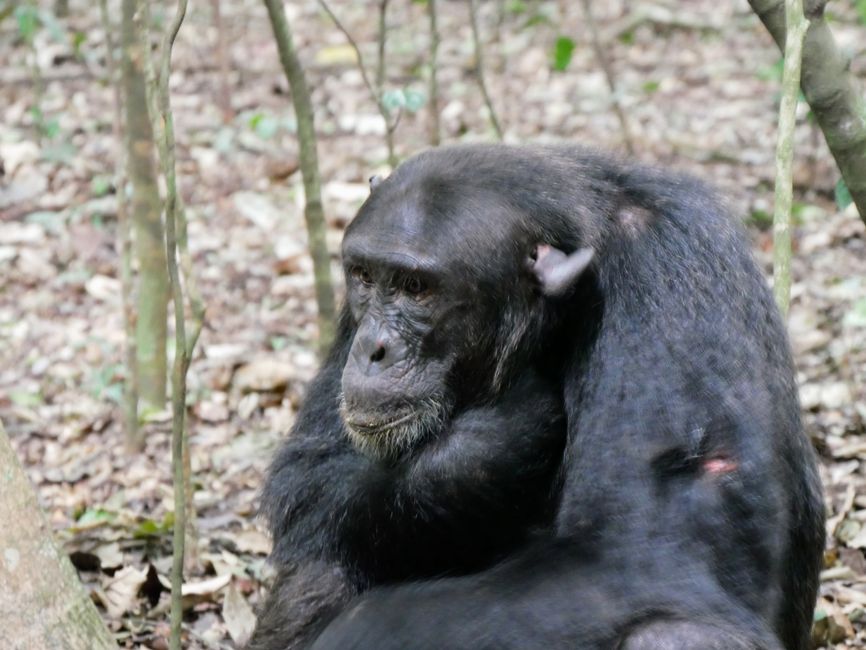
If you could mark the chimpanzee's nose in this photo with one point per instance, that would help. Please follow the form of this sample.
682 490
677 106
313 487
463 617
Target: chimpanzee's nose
379 353
376 349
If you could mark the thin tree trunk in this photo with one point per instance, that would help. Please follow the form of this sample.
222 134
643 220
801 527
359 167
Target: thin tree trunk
796 26
435 128
381 78
42 602
224 97
134 440
607 68
479 68
152 299
175 227
313 211
830 89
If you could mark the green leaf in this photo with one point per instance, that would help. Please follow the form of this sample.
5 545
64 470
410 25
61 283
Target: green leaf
27 18
254 120
538 18
860 5
100 185
264 126
516 7
25 398
78 39
51 128
94 515
772 72
150 528
797 210
394 99
562 52
843 195
760 219
414 100
650 87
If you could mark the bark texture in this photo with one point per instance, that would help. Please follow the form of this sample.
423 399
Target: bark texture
145 212
796 26
42 603
830 89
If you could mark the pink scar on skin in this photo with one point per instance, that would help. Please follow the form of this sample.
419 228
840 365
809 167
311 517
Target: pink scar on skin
719 466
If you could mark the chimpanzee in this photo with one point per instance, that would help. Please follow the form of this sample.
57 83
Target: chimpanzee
560 413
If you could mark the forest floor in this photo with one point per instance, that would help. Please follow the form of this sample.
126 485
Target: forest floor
700 87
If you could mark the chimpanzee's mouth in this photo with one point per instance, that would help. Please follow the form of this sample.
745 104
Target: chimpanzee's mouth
389 432
370 425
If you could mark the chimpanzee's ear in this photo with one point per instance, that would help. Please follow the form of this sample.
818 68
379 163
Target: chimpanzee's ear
556 272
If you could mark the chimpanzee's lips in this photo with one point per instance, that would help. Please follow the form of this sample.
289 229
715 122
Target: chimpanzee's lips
368 424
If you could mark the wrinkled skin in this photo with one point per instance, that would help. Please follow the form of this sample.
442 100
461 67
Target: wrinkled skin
560 413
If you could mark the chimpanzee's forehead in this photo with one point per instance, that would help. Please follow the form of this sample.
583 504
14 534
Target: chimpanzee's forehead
428 220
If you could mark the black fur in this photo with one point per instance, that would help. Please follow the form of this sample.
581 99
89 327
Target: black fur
678 508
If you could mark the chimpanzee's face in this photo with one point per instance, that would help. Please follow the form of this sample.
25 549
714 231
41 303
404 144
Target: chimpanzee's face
446 286
421 315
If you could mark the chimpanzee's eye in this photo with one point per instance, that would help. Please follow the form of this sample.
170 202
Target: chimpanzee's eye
361 274
414 285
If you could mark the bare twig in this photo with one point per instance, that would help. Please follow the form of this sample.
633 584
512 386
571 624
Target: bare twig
376 91
313 211
381 40
479 67
224 96
435 128
158 87
381 62
604 62
196 306
795 28
124 243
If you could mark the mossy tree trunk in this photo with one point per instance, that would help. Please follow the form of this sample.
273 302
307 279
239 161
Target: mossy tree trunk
42 602
796 31
152 298
831 90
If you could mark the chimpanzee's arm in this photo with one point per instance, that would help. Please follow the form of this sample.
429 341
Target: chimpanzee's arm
554 595
467 497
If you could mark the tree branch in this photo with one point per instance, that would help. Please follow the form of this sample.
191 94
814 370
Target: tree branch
830 89
309 161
